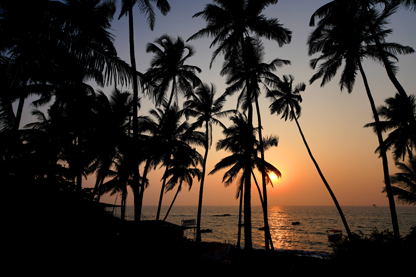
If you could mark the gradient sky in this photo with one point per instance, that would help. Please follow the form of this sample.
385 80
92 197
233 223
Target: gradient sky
331 121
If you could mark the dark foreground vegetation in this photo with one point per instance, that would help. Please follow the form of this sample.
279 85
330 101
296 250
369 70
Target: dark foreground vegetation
61 234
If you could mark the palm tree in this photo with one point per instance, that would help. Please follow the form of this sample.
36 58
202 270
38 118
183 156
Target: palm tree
114 113
258 72
168 68
366 10
60 38
238 139
409 4
183 169
352 43
207 110
404 188
145 7
286 101
169 137
402 136
229 22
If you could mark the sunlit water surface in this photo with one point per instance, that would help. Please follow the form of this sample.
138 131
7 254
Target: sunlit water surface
308 235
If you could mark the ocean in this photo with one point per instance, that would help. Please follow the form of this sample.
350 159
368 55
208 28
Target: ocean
309 235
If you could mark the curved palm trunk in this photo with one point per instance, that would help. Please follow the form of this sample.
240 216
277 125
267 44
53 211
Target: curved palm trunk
344 221
383 151
201 188
173 201
161 196
390 72
267 236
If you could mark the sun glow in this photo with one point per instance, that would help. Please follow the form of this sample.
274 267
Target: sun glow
272 176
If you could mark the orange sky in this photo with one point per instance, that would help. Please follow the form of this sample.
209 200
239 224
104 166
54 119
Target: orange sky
331 121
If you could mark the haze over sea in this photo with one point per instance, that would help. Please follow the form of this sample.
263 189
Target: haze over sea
309 235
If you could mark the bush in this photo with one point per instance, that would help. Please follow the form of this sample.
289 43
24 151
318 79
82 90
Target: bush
376 252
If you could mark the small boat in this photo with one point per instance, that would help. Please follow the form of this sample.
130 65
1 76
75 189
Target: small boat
296 223
334 235
206 230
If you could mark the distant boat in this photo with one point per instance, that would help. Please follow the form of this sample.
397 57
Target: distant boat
206 230
221 215
334 235
296 223
374 205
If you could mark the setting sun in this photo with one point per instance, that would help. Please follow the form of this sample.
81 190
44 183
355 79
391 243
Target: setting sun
272 176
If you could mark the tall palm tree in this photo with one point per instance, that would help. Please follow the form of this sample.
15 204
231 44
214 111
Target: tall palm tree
229 22
145 6
237 140
351 43
402 137
258 73
168 69
404 183
286 101
207 110
367 10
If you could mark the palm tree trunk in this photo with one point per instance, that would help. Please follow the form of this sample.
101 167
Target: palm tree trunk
267 236
135 102
390 72
344 221
123 201
173 201
201 188
161 196
19 113
239 218
138 203
248 243
383 151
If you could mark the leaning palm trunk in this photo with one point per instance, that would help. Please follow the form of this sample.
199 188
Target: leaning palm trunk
390 71
267 236
162 190
173 201
344 221
383 151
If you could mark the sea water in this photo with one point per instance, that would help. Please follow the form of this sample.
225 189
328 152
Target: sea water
308 235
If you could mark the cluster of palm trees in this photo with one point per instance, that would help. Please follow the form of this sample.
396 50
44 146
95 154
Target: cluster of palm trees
85 131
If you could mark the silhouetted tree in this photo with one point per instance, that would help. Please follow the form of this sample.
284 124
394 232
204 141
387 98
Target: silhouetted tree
229 22
351 43
402 137
206 110
168 69
240 138
145 6
248 82
286 101
404 182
